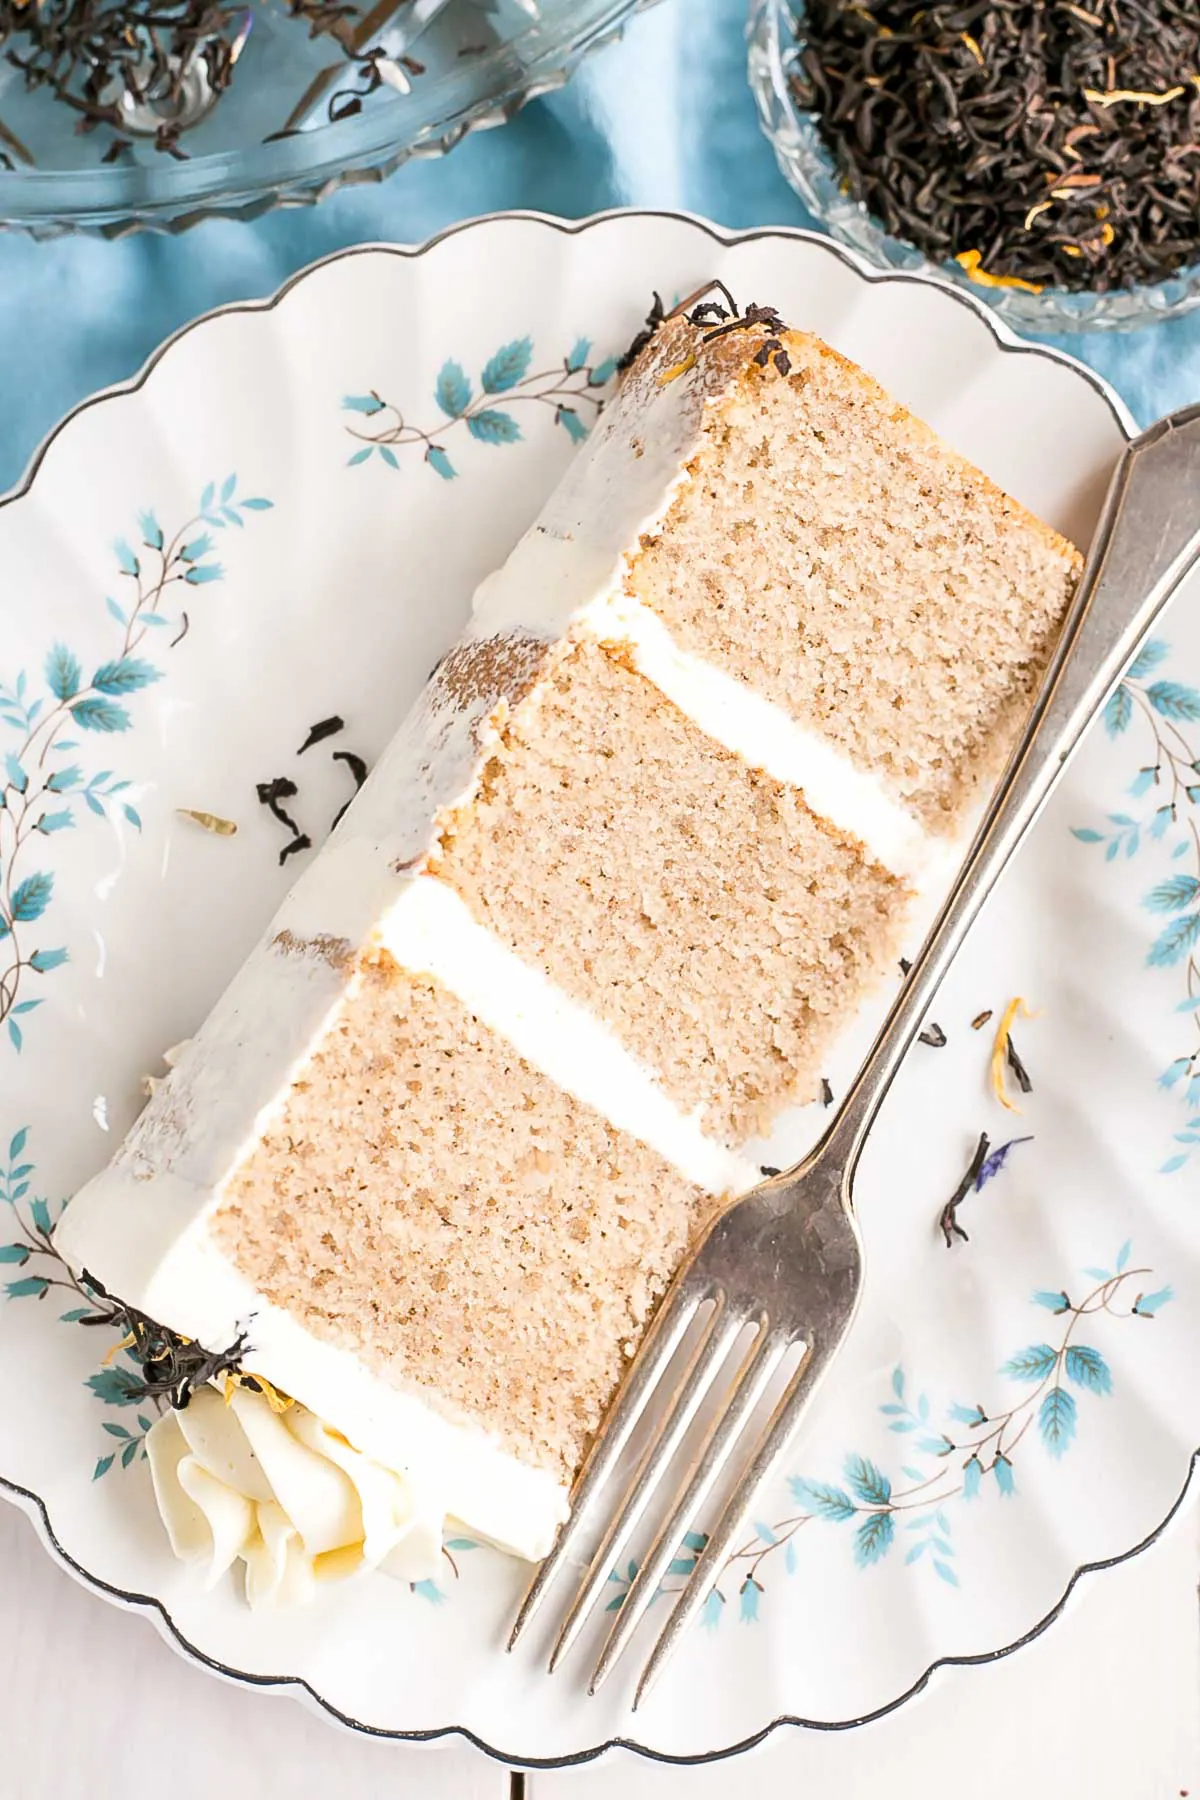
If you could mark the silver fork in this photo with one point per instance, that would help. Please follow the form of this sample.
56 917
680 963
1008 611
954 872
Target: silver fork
784 1263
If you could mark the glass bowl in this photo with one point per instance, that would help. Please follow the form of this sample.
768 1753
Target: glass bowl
775 42
286 129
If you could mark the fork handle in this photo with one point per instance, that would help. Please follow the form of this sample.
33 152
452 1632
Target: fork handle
1147 540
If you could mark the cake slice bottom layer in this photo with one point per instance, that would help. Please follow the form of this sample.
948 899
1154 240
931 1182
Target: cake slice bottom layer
430 1202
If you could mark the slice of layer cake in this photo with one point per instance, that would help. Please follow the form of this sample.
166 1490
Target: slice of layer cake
636 856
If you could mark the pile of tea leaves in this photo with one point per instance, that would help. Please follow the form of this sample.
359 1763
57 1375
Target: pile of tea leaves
1037 142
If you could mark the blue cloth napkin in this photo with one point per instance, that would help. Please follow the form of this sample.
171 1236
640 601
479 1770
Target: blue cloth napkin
663 119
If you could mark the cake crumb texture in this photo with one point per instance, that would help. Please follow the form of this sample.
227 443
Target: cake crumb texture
833 553
695 904
431 1203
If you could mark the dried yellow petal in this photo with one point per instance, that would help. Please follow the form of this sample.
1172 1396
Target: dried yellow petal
1131 96
970 260
208 821
677 369
1000 1049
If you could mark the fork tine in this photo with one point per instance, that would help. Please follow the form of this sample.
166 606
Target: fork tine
663 1338
717 1340
753 1374
772 1445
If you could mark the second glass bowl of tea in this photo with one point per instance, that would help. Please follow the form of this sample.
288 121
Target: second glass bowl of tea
1041 153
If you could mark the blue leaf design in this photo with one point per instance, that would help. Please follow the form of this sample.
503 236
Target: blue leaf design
764 1532
207 497
453 390
227 488
934 1446
904 1425
572 424
1175 1074
63 673
5 928
232 517
151 530
15 1253
579 355
748 1601
695 1540
898 1382
1123 1254
125 676
1141 783
360 456
102 1467
1160 823
1172 700
429 1590
1118 711
256 503
996 1160
894 1409
1175 942
461 1544
493 427
972 1476
822 1499
1173 894
711 1616
1002 1470
1056 1420
1088 1369
509 365
1031 1364
945 1572
29 1287
17 1143
873 1539
39 1212
789 1557
603 372
126 560
42 961
15 1037
1054 1300
437 459
867 1481
112 1386
1099 1274
31 898
16 773
359 403
923 1408
389 457
1173 1164
118 612
917 1551
1146 1305
199 546
133 816
1151 654
967 1415
202 572
94 713
1086 835
58 821
681 1565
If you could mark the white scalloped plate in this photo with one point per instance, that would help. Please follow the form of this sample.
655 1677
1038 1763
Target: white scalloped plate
918 1532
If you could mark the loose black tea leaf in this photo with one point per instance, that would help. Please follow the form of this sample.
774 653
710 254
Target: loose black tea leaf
301 842
1020 1072
1038 144
654 319
767 1170
272 794
826 1092
323 729
905 965
173 1367
358 769
948 1218
934 1036
981 1019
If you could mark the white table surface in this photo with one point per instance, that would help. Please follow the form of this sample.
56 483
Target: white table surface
1105 1706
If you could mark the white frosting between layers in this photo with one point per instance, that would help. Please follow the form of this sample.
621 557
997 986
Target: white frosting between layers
431 930
287 1497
